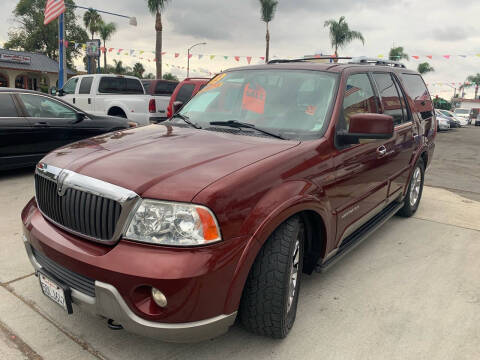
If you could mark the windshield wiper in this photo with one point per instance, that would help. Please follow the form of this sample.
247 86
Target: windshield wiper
239 125
187 120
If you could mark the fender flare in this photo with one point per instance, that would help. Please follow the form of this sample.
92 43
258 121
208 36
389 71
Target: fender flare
118 104
277 214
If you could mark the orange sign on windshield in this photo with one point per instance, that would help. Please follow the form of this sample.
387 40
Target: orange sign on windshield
254 99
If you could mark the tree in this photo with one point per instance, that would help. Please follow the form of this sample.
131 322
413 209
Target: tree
118 68
150 76
397 54
106 30
156 7
31 35
170 76
442 104
341 35
474 80
424 68
92 21
268 9
138 70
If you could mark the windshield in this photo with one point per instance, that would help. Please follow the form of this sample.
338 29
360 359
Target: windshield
446 113
291 103
462 111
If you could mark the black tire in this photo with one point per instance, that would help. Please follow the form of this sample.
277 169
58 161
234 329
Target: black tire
266 307
410 206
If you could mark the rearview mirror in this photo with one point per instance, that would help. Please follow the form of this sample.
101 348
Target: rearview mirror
367 126
177 106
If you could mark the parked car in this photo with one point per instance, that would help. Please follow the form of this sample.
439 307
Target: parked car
473 115
161 91
114 95
458 121
443 123
463 113
477 120
32 124
184 91
271 171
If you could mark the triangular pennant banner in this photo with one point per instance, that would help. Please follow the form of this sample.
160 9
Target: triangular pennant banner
249 59
212 57
226 57
416 57
110 49
190 56
200 56
177 55
237 58
262 57
430 57
446 56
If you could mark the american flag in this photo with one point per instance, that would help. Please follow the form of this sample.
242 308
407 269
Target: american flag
53 9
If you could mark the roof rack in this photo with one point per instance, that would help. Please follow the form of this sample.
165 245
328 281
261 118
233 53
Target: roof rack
281 61
362 60
374 61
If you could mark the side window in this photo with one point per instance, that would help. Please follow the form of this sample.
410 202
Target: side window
85 85
185 92
406 113
43 107
134 86
111 85
359 97
165 88
418 92
70 86
389 97
7 106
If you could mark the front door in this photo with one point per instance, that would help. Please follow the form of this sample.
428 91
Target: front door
69 91
361 186
84 97
51 121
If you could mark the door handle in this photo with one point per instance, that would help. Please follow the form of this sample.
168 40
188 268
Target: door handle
89 101
381 151
41 124
73 100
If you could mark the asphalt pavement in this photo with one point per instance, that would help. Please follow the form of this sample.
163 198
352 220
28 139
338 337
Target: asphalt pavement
410 291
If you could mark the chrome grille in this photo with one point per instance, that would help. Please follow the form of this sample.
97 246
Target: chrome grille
85 206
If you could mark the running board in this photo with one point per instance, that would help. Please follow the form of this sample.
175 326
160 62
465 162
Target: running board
361 234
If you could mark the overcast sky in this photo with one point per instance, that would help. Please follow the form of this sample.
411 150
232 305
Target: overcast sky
233 27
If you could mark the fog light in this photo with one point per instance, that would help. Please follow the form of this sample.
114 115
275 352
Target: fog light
159 298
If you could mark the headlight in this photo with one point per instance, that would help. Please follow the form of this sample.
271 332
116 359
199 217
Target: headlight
175 224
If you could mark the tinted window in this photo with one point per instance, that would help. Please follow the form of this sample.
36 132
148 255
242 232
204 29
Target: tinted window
165 88
7 106
185 93
43 107
359 98
85 85
418 92
70 86
146 85
389 97
119 85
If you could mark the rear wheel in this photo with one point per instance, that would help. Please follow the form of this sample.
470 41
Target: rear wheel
270 297
415 190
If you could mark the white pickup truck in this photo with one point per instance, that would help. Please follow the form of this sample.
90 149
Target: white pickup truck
122 96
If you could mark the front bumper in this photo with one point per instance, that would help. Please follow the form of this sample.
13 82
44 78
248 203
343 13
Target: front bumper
109 303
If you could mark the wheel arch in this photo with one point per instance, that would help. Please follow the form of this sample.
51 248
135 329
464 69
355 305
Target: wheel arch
117 110
316 227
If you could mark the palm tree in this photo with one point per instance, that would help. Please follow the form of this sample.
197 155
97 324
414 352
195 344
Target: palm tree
138 70
106 30
92 20
474 80
156 7
170 76
397 54
341 35
268 9
424 68
119 68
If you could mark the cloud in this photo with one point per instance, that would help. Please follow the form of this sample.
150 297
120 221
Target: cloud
452 33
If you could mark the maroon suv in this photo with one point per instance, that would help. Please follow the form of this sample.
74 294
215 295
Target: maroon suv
175 230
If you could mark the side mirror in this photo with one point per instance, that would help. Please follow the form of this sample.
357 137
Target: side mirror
367 126
60 92
79 118
177 106
53 91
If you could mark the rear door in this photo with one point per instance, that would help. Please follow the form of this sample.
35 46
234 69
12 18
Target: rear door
84 96
400 149
50 119
15 133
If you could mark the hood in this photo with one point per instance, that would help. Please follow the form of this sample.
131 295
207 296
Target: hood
162 161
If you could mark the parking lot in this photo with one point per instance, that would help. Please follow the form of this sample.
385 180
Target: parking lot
409 291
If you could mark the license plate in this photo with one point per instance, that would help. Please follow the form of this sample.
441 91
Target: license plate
58 293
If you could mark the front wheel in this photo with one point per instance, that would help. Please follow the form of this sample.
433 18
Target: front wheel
270 296
415 190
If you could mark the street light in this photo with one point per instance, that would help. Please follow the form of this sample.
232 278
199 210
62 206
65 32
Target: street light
188 56
132 20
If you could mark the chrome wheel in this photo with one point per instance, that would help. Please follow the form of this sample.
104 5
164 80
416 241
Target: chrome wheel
292 289
415 186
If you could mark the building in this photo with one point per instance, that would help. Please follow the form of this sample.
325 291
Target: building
465 103
26 70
